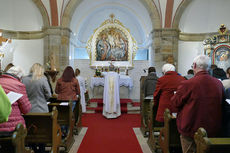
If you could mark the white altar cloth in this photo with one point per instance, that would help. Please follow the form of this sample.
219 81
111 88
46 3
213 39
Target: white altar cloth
111 98
123 81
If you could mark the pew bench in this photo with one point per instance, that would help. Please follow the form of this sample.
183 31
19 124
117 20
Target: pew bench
145 113
65 118
169 138
16 142
154 128
43 128
77 113
204 144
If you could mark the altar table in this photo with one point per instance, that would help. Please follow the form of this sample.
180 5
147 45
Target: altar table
97 86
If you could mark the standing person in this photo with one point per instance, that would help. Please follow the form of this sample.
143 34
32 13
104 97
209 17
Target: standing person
10 81
67 86
37 88
226 82
198 102
38 91
111 97
150 81
81 82
165 88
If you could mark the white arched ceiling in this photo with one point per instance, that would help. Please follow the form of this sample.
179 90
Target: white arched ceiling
90 14
20 15
202 16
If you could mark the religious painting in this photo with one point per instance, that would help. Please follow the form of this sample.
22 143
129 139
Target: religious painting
111 41
218 48
112 45
221 56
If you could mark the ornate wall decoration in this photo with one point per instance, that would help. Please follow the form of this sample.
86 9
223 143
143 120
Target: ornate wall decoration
112 41
218 48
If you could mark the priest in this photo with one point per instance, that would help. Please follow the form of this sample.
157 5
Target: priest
111 98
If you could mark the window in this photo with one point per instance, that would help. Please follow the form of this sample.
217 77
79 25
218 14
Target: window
81 53
142 54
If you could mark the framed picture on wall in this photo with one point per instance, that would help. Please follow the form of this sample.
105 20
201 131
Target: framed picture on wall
218 48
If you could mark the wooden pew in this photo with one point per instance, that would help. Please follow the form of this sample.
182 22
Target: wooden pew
43 128
65 118
145 108
169 138
204 144
145 115
77 114
16 142
154 128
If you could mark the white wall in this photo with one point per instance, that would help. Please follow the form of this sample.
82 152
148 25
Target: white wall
21 15
201 16
135 74
187 51
205 16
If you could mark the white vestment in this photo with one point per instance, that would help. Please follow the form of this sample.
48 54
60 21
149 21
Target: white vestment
81 82
111 98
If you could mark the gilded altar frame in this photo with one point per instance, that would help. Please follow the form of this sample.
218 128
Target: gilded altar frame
111 42
218 48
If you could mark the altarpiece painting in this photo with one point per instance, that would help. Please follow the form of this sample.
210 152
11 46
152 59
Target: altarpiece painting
218 48
111 42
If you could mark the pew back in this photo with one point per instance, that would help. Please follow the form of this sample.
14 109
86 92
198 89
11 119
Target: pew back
16 142
65 118
169 136
154 128
210 145
43 128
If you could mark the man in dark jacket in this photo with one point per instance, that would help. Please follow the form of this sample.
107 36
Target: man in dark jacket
149 84
198 102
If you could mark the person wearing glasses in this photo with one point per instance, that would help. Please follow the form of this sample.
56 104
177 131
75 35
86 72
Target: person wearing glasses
198 104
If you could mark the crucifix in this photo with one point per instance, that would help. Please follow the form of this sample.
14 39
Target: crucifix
2 39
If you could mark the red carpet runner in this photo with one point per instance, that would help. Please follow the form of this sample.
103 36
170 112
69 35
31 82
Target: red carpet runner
110 135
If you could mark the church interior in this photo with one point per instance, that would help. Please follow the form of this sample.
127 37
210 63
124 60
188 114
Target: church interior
61 33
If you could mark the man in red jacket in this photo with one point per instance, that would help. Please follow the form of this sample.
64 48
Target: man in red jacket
198 102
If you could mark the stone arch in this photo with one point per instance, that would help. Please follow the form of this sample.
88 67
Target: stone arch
179 13
40 6
149 5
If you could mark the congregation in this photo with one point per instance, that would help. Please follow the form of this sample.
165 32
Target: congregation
198 100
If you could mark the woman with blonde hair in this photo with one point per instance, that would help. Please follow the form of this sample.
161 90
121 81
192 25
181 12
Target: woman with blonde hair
37 88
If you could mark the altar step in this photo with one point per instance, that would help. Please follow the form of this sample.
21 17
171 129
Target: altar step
95 105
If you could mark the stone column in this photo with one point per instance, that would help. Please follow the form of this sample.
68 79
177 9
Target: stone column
56 47
166 47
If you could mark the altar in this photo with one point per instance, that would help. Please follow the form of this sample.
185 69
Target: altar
97 86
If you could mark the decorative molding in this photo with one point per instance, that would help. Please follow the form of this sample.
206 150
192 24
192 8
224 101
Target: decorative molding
195 36
28 35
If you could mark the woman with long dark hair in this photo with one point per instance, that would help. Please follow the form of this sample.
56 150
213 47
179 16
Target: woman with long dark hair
67 86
